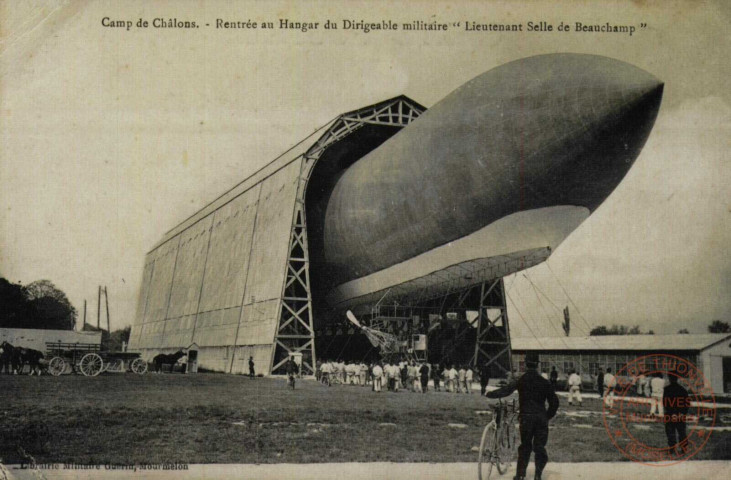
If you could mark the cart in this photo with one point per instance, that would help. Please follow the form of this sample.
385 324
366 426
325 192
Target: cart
90 361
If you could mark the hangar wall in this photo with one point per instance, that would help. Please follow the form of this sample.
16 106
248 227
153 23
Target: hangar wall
234 278
218 282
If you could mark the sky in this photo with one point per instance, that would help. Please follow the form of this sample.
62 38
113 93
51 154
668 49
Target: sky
110 137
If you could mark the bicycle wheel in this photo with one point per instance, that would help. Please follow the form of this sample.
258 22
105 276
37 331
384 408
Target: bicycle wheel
487 449
506 446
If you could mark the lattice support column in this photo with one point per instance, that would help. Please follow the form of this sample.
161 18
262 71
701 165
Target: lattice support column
493 336
295 332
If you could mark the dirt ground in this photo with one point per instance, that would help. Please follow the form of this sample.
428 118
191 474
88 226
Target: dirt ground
212 418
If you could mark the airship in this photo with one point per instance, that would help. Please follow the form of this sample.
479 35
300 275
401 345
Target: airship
395 204
512 161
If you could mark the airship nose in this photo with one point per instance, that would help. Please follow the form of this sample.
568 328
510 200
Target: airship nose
577 151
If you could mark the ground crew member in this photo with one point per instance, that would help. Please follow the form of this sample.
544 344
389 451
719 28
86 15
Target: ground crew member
484 378
451 378
468 380
600 383
292 371
363 374
648 390
533 393
641 384
325 372
574 388
657 386
424 372
460 378
377 377
610 382
251 367
412 376
676 401
554 377
436 375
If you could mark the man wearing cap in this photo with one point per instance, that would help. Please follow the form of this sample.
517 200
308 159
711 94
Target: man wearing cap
534 392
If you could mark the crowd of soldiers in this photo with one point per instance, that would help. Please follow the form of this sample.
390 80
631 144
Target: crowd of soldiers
401 375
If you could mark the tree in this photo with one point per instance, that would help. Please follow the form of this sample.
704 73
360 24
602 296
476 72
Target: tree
13 305
50 306
616 330
47 313
683 330
600 330
717 326
38 305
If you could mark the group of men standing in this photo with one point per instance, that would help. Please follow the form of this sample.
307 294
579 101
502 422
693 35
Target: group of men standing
393 376
339 372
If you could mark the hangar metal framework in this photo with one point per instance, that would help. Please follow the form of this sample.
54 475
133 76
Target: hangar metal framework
295 332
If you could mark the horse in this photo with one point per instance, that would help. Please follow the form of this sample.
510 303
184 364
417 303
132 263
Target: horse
33 359
167 359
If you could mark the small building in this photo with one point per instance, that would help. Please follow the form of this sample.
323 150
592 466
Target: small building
711 353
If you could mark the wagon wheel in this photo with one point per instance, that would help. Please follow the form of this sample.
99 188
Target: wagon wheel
56 366
138 366
91 365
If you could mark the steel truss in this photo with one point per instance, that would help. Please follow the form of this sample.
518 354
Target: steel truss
295 333
493 336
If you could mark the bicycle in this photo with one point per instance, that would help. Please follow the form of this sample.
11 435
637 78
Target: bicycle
499 440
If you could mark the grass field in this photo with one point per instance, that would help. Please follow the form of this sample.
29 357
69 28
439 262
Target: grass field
210 418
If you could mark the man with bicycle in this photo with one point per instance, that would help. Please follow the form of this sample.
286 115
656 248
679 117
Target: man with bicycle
534 392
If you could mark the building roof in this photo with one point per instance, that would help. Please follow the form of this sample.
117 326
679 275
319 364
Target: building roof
621 342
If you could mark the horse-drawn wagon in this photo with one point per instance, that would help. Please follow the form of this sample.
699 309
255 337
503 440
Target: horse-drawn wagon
90 361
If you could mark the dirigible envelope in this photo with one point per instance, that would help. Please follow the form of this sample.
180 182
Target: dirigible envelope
510 162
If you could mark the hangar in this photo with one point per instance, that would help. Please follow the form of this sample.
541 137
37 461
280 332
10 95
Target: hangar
408 217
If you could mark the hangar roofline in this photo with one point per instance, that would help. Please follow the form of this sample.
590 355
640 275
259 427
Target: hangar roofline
333 129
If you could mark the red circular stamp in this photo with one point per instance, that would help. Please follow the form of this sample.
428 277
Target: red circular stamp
658 390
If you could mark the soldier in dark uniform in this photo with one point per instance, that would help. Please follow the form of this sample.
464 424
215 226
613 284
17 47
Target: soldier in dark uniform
484 377
534 392
676 402
251 367
554 377
424 373
600 383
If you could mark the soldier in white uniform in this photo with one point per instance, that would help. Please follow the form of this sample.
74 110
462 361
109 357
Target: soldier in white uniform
468 380
574 388
362 371
377 377
609 383
657 387
452 378
325 371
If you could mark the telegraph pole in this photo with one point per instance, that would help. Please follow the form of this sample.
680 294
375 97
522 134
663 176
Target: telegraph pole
106 300
99 307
